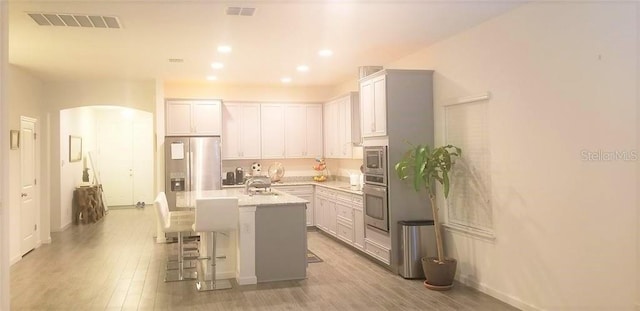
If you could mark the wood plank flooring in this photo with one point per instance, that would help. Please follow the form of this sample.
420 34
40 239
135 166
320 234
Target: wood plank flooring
116 265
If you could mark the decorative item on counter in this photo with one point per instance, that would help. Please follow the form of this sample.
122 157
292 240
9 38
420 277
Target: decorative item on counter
256 169
239 176
321 169
276 171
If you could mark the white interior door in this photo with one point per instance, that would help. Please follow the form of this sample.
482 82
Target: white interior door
28 196
115 145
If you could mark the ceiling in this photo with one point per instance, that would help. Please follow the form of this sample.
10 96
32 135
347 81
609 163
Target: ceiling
265 47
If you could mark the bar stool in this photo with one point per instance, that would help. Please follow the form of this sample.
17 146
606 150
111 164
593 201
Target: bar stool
175 222
192 250
213 215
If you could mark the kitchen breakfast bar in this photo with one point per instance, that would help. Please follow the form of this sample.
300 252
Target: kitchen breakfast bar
270 243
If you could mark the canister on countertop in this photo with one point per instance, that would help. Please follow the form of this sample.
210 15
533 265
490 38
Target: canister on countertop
239 176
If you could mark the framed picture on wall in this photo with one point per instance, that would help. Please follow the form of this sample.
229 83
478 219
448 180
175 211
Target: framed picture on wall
15 139
75 148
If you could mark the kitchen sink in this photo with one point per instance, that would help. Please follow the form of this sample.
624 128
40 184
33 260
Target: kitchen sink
263 193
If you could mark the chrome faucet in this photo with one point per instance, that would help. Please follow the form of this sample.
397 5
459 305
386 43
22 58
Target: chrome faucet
257 182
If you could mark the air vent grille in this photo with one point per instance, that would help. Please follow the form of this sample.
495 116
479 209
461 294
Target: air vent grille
240 11
75 20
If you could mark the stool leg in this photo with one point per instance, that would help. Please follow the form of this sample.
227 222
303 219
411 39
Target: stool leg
181 274
214 284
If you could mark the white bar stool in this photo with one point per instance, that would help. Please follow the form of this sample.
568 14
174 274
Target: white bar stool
213 215
175 222
192 249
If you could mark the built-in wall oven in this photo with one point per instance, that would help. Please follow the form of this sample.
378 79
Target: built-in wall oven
376 209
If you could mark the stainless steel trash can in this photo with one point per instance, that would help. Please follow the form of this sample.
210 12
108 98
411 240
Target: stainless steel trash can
418 240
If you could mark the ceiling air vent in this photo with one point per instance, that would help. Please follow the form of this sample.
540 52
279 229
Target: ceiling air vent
75 20
239 11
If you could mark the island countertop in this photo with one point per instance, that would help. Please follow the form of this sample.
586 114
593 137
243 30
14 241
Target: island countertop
276 198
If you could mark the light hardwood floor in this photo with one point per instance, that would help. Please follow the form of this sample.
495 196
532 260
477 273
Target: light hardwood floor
115 265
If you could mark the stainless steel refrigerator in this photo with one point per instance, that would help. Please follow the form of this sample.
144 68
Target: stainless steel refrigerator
191 164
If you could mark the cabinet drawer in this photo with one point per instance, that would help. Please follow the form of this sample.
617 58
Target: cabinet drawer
295 190
345 211
345 197
357 200
324 192
377 251
345 232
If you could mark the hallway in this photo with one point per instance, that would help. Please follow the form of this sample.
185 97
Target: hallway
115 265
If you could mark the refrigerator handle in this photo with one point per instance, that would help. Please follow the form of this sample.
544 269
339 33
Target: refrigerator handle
189 165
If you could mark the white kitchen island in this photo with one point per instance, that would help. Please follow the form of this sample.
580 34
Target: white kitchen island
271 241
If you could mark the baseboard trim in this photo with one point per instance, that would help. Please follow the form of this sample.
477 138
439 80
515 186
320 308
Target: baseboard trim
516 302
250 280
14 260
47 241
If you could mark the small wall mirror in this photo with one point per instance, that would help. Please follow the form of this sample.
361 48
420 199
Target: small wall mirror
75 148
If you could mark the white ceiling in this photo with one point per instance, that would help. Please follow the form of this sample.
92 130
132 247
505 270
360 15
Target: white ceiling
266 47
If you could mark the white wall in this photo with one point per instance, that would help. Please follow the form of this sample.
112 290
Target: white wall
4 164
287 93
77 122
563 79
71 94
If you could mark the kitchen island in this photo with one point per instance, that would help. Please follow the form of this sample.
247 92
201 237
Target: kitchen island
271 240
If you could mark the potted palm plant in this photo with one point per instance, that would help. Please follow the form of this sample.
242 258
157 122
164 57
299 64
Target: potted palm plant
423 167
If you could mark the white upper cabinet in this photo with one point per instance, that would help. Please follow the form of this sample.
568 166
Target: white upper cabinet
193 117
313 128
241 131
342 126
373 101
272 125
303 130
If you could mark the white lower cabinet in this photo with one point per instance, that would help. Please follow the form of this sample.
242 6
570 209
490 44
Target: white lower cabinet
377 251
341 214
303 192
358 226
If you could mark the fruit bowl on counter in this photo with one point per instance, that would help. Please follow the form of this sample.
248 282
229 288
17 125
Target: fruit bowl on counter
320 178
321 168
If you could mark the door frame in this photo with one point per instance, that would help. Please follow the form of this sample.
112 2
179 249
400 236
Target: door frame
36 190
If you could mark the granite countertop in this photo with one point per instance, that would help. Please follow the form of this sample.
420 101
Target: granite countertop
187 199
331 184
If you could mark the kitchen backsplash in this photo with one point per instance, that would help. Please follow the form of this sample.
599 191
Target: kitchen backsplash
337 168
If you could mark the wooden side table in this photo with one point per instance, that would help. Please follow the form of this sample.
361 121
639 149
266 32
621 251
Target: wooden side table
87 204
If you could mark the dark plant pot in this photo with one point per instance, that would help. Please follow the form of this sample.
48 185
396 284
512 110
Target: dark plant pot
439 275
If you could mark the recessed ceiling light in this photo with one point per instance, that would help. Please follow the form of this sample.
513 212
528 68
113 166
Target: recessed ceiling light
286 80
302 68
217 65
224 49
212 78
325 53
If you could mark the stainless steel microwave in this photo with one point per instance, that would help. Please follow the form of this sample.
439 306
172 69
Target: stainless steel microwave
375 164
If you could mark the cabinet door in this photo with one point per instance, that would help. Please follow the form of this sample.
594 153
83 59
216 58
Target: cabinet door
250 132
272 128
313 127
178 118
330 129
358 227
206 118
295 131
310 207
379 106
344 128
318 216
367 108
231 131
331 217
